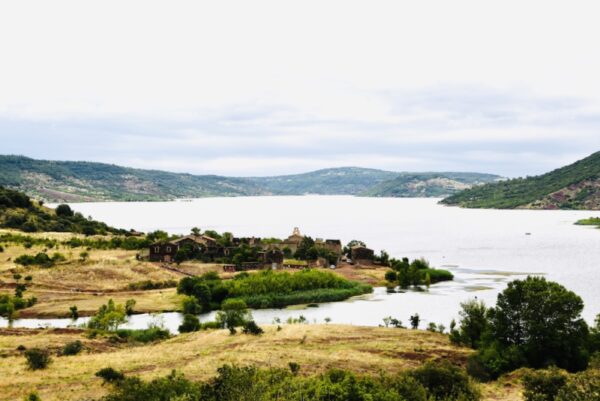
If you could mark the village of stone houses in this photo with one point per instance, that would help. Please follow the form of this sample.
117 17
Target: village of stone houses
297 251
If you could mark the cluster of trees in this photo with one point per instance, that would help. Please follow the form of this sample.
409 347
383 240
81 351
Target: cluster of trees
536 323
442 382
307 250
40 259
10 305
18 211
404 273
267 289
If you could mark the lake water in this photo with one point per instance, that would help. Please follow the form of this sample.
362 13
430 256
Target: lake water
483 248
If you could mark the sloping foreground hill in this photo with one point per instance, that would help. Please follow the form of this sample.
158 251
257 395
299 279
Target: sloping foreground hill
64 181
576 186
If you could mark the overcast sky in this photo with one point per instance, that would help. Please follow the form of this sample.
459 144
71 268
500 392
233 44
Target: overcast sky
273 87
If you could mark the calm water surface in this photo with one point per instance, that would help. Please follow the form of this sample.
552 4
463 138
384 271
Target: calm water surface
483 248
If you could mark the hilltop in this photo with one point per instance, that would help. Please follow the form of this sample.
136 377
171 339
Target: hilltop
73 181
576 186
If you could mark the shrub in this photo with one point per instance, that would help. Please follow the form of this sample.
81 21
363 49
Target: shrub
72 348
445 381
110 375
584 386
148 335
190 324
33 397
251 327
543 385
37 358
294 368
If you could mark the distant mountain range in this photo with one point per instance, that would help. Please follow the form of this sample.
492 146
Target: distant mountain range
576 186
67 181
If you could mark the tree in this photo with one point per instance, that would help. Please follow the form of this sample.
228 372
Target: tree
129 305
73 312
414 321
64 211
195 231
234 313
190 324
109 317
473 324
542 320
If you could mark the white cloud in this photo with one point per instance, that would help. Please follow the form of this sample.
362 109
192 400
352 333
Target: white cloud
242 87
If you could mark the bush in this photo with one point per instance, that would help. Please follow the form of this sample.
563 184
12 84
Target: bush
110 375
37 358
583 386
148 335
190 324
251 327
64 211
445 381
543 385
72 348
33 397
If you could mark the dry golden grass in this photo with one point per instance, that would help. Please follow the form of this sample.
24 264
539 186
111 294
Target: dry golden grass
367 350
87 284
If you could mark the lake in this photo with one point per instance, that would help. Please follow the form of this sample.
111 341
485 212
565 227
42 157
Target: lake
483 248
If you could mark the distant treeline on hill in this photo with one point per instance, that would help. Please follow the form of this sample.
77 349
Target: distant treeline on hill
67 181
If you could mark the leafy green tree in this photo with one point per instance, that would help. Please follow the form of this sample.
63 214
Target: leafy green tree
64 211
543 320
234 313
190 323
190 306
109 317
74 313
129 305
473 324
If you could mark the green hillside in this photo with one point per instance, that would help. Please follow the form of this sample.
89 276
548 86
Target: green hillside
576 186
67 181
333 181
59 181
428 184
20 212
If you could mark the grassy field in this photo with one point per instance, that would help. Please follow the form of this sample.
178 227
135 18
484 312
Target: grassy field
315 347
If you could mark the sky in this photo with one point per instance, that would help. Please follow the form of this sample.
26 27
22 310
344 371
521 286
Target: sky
275 87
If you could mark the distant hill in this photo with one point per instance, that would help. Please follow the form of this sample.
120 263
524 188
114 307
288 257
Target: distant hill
67 181
428 184
58 181
576 186
332 181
